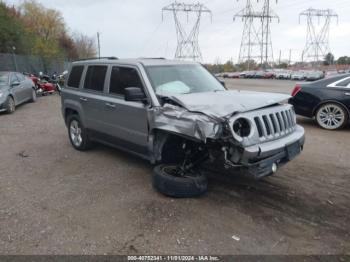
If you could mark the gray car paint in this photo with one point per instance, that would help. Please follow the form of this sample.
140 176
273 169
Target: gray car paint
21 93
199 116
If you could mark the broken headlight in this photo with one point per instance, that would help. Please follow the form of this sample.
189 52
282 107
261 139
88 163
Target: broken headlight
242 127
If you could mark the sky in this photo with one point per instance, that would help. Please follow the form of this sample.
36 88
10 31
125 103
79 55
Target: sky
135 28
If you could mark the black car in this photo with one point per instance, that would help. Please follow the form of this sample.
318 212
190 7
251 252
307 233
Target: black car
327 100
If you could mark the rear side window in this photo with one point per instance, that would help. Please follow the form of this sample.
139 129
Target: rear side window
13 78
75 76
95 78
344 83
123 77
20 77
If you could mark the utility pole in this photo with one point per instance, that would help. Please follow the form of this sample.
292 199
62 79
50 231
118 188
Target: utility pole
13 49
279 58
187 42
250 43
290 57
317 41
98 44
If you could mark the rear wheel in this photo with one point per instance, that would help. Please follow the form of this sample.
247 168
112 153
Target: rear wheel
171 181
33 98
10 105
332 116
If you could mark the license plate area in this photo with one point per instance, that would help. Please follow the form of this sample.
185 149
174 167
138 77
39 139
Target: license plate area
293 150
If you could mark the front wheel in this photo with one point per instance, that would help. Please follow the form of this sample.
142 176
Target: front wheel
10 105
332 116
77 134
170 181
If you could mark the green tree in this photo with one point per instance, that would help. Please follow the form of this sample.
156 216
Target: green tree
343 60
328 59
12 33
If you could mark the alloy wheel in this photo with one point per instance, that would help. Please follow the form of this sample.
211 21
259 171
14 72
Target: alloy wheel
75 133
331 116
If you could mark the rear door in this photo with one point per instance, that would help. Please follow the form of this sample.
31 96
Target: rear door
26 90
341 91
92 98
125 121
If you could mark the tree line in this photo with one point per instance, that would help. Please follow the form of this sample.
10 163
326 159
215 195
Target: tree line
33 29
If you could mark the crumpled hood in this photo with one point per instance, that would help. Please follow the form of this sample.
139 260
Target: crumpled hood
225 103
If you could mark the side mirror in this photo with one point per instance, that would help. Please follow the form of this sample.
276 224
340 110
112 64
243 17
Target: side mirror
15 83
134 94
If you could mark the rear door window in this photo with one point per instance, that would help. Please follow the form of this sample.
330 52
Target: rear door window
75 76
123 77
344 83
95 78
13 78
20 77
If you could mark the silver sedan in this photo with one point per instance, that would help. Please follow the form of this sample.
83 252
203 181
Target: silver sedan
15 89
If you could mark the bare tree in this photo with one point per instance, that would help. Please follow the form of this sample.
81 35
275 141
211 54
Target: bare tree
85 46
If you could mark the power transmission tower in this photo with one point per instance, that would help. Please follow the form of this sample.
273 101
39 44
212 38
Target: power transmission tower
260 38
266 43
187 42
250 44
317 41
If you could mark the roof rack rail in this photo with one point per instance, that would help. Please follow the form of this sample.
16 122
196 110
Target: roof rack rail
97 58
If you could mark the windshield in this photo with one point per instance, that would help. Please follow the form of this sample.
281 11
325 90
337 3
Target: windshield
182 79
3 78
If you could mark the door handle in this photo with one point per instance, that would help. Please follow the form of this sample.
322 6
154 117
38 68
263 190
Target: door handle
110 105
347 94
83 99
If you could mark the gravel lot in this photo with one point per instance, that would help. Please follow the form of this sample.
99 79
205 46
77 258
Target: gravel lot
55 200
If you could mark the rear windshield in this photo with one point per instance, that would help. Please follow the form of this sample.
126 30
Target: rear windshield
4 78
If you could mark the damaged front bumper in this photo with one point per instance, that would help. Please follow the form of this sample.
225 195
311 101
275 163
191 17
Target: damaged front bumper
264 159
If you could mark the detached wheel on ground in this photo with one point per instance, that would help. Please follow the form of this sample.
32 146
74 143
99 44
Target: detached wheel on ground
10 105
77 133
168 181
332 116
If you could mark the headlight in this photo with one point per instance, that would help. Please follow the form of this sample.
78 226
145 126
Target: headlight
242 127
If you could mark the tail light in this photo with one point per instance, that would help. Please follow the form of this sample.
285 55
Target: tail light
296 90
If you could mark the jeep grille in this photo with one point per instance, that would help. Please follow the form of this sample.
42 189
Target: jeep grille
275 124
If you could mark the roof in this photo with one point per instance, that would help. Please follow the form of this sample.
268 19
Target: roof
134 61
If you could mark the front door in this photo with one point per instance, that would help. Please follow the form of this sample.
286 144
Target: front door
126 122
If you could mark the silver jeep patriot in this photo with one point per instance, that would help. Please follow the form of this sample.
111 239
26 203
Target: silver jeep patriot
179 116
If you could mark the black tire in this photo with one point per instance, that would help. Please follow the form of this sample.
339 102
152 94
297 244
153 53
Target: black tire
10 105
170 185
344 120
34 97
85 141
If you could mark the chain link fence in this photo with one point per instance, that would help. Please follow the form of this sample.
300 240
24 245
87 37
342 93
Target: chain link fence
32 64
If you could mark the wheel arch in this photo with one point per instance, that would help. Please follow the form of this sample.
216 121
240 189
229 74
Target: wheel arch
328 102
163 138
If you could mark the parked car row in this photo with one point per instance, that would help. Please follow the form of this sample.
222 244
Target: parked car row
276 74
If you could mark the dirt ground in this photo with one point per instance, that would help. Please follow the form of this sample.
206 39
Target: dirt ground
55 200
